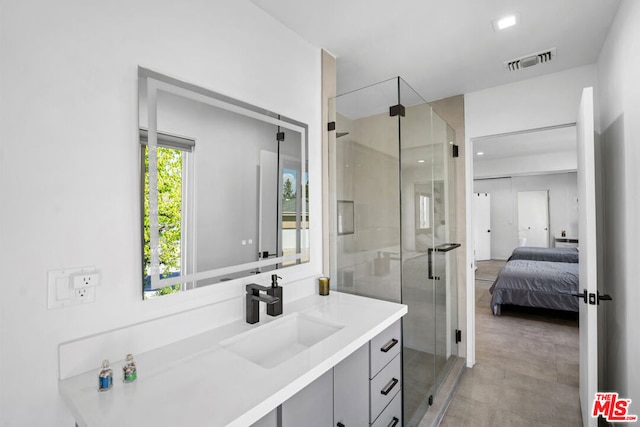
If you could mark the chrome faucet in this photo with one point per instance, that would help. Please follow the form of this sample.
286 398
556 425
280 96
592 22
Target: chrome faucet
253 298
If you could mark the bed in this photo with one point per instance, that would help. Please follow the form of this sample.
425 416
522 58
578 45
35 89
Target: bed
545 254
541 284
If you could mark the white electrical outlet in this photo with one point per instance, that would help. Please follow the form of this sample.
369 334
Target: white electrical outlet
84 280
85 295
72 286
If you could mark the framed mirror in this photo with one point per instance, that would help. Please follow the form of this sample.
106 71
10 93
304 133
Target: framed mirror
224 187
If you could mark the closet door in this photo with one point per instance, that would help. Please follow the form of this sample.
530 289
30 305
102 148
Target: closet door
482 225
533 217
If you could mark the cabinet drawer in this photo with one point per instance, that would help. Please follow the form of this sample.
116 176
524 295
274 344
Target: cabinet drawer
384 347
384 387
392 414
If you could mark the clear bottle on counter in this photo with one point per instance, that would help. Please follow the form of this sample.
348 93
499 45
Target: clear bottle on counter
129 371
105 377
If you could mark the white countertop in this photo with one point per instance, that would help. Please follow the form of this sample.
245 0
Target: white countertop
196 382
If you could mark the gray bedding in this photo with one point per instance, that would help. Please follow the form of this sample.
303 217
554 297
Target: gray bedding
541 284
545 254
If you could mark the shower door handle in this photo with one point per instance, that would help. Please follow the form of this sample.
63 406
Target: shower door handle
430 265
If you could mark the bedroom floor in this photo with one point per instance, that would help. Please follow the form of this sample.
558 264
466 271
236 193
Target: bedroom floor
527 366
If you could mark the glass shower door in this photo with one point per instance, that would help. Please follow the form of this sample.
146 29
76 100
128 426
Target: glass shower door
391 207
445 296
421 215
428 257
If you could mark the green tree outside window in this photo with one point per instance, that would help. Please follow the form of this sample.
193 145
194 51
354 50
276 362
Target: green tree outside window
169 214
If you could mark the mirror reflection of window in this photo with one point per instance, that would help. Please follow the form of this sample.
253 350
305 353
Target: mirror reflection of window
304 227
289 215
294 232
172 163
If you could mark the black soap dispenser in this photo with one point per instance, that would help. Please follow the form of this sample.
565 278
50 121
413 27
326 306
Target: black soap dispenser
275 290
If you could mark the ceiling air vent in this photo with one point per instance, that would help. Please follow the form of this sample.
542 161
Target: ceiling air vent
531 60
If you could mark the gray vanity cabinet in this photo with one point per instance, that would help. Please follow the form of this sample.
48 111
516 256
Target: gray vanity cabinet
385 373
367 385
312 406
351 389
269 420
364 389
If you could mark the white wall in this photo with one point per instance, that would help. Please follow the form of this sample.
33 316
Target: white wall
529 104
539 163
618 71
563 212
69 161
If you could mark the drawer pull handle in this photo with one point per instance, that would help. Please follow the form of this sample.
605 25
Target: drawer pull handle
389 386
388 346
394 422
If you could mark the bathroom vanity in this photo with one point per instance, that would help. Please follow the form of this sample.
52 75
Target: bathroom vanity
328 360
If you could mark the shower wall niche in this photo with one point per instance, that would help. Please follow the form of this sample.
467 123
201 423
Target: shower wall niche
392 223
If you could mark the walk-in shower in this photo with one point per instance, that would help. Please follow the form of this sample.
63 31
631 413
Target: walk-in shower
392 216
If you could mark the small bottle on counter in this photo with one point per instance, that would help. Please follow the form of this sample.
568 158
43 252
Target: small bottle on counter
129 371
105 377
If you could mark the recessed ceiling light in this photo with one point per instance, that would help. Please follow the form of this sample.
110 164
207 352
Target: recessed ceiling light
479 153
420 161
505 22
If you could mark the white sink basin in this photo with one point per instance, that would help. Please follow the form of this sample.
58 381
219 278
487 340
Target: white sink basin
271 344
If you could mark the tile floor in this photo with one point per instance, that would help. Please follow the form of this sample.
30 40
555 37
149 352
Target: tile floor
526 371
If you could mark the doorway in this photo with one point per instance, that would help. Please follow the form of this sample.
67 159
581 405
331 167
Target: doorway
533 224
